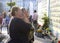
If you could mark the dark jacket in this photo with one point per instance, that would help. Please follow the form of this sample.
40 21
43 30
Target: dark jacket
19 31
1 19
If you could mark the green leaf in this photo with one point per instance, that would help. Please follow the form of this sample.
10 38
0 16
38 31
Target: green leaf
11 4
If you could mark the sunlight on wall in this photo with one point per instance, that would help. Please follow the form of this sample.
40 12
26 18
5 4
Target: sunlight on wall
42 9
55 16
31 8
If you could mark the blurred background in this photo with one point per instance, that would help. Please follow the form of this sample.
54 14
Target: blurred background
49 7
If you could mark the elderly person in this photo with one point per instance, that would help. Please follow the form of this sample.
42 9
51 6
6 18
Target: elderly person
19 29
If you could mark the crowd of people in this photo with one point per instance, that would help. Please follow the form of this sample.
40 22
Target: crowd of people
19 25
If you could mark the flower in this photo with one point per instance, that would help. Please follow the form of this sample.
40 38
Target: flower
40 31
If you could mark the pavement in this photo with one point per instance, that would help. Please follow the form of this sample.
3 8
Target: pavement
36 39
41 40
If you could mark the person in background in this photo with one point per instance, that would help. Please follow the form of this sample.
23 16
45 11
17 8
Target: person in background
30 18
19 28
4 24
9 12
0 23
11 17
8 17
5 20
35 18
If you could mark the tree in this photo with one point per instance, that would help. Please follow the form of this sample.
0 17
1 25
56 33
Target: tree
11 4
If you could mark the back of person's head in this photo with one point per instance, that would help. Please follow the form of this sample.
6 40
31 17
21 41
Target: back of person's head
23 9
14 10
4 14
9 11
35 11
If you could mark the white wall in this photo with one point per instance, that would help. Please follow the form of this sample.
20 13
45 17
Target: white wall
31 8
42 9
55 16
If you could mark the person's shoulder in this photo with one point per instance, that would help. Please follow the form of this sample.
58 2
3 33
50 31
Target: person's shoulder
29 24
17 20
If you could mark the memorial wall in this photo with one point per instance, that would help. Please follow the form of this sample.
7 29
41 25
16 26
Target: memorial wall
55 16
52 9
42 9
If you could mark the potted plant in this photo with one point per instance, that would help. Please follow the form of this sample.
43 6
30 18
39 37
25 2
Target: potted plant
45 26
46 22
